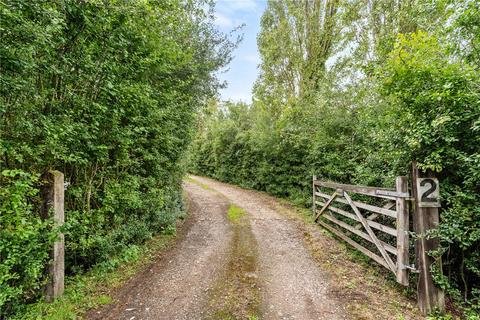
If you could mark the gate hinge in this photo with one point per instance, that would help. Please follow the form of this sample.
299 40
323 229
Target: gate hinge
412 268
393 193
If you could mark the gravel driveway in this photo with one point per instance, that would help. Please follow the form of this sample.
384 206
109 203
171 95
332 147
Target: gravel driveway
264 265
293 287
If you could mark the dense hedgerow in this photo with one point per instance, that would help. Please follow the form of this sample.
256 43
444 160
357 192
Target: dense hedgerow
25 240
418 105
105 92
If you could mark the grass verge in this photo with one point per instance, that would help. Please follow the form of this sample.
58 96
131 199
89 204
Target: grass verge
95 287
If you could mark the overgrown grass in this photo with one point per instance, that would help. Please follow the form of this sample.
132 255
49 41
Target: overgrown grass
236 294
94 288
198 183
235 213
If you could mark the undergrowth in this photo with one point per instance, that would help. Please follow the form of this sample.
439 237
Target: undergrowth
94 288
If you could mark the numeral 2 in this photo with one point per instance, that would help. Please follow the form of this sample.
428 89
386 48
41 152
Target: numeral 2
433 187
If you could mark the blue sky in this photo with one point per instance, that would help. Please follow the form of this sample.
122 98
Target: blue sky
242 71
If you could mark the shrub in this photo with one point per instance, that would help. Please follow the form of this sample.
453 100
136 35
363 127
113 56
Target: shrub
105 92
25 241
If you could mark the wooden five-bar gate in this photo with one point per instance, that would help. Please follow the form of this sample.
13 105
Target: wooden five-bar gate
395 206
376 221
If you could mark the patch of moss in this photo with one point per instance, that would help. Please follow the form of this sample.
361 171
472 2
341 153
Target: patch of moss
235 213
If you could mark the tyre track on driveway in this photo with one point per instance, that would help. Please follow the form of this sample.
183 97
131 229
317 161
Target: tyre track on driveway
176 286
292 286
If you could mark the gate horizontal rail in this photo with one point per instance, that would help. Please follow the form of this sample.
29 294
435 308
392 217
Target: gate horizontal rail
364 226
358 219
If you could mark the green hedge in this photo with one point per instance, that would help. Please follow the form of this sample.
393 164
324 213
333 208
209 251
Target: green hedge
25 241
105 92
420 105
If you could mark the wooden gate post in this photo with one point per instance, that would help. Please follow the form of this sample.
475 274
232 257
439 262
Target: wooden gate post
314 200
53 201
425 217
402 231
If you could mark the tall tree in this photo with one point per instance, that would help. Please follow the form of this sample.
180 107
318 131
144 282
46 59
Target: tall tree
295 43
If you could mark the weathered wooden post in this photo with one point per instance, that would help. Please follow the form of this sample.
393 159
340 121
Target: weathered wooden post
402 231
425 217
53 202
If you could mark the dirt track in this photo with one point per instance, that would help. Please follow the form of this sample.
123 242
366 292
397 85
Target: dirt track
261 268
292 285
176 286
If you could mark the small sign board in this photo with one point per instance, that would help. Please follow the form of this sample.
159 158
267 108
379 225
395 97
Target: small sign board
428 192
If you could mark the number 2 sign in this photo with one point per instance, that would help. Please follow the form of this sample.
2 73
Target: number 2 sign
428 192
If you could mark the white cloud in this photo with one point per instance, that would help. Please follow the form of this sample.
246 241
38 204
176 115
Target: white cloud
245 5
233 13
223 21
235 7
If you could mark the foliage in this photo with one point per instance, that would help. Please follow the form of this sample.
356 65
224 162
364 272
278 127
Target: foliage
295 42
106 92
25 241
395 88
438 109
92 288
235 213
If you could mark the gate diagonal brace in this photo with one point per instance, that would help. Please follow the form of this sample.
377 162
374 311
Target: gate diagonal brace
334 195
370 232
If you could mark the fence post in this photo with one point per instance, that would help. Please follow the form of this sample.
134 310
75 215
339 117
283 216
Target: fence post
402 231
53 202
425 217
